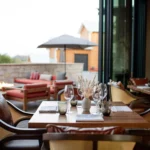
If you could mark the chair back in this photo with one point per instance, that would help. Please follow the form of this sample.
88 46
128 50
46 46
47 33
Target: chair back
87 141
119 94
138 81
88 138
5 113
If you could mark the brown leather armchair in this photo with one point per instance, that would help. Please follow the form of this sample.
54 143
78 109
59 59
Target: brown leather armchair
17 138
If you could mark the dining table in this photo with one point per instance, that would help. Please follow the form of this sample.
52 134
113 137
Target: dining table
140 88
123 117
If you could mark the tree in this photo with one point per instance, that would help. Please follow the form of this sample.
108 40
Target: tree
4 58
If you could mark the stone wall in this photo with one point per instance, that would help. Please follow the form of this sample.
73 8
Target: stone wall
9 71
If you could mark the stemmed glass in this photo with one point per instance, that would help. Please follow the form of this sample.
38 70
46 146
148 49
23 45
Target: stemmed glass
68 95
103 91
103 95
96 97
79 91
99 94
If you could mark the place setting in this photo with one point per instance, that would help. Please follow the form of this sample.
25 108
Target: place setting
94 92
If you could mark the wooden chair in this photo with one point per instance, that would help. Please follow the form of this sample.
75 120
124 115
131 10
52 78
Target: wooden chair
12 136
66 138
146 114
144 133
92 141
138 81
119 93
30 92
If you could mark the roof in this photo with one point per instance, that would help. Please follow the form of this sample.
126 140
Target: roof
91 26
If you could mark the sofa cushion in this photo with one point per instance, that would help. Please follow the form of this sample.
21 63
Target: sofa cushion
15 93
29 81
19 94
61 76
63 82
36 85
45 77
53 77
35 75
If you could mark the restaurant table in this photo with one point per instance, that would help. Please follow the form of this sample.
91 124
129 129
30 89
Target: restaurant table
143 89
120 118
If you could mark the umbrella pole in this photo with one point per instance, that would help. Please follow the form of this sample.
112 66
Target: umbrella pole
65 57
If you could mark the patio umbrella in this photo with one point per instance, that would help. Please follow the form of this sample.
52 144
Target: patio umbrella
67 41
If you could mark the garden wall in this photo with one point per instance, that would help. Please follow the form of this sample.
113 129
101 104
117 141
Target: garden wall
9 71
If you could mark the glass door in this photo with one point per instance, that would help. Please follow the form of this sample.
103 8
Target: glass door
121 43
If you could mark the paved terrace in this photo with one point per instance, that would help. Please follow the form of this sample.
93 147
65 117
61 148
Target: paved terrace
9 71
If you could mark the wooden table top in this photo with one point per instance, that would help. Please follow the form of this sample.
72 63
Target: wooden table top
142 89
123 119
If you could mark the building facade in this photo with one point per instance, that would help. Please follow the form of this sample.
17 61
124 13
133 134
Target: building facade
88 56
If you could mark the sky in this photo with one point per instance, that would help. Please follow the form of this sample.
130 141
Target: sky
25 24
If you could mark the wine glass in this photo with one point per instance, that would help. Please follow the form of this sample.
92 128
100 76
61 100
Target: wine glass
103 91
96 97
68 95
79 91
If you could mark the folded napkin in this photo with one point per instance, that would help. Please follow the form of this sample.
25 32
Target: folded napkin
143 87
48 109
120 108
89 117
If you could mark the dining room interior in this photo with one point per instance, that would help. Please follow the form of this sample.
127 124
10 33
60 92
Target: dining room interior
109 110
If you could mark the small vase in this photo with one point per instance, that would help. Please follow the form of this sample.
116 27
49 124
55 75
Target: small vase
86 105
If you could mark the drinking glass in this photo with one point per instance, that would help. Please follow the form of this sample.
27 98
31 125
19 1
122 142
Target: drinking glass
96 98
79 91
103 91
68 95
62 107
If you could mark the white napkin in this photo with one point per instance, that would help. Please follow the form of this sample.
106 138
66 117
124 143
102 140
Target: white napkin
143 87
89 117
120 108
